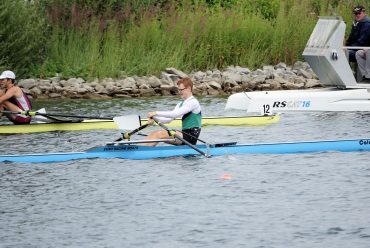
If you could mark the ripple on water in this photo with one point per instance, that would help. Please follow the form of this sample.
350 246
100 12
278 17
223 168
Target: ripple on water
296 200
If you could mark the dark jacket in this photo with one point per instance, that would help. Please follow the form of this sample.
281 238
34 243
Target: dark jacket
360 33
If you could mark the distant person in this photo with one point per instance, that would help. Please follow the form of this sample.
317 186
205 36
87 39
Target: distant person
360 32
12 98
189 110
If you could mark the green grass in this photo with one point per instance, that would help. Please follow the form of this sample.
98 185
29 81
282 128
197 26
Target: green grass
191 37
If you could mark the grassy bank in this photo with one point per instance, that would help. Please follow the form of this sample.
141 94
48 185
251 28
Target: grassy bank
198 36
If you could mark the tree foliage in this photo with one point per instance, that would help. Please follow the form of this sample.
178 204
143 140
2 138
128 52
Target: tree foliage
22 35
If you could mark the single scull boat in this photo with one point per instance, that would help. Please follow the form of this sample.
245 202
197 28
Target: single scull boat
77 125
133 150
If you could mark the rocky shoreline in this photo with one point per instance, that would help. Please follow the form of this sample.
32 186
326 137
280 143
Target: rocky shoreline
233 79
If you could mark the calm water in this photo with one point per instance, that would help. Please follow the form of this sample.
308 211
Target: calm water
301 200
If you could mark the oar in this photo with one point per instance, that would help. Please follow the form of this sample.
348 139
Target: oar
132 122
33 113
172 132
204 142
127 135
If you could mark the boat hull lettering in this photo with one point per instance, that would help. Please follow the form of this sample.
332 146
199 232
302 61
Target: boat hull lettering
120 148
291 104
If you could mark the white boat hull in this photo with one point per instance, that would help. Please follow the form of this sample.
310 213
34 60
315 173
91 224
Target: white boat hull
328 99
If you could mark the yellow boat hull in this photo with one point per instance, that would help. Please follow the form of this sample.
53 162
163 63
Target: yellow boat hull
109 124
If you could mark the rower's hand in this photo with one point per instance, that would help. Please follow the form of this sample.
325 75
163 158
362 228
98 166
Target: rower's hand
151 114
150 121
150 118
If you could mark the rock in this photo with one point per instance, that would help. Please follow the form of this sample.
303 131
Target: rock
35 92
100 89
165 82
81 90
174 71
212 92
88 88
215 85
232 75
27 83
305 74
228 84
257 72
154 82
95 95
122 96
44 85
274 85
111 88
199 75
242 70
310 83
202 86
299 81
147 92
167 77
292 86
72 82
281 65
55 95
299 65
212 82
144 86
216 75
127 83
259 79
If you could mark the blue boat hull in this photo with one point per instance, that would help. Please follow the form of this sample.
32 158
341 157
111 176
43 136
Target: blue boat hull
144 152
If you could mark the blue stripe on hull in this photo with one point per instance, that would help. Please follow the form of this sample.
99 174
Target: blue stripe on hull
143 152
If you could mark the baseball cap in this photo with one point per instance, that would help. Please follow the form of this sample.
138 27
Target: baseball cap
358 9
7 74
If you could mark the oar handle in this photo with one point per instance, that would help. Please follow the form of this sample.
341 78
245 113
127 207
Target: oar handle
181 139
27 112
74 116
32 113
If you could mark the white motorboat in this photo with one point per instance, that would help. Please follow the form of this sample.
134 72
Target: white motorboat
325 54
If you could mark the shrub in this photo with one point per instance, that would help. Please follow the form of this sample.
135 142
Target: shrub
23 36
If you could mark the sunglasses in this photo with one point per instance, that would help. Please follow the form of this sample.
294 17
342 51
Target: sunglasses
181 89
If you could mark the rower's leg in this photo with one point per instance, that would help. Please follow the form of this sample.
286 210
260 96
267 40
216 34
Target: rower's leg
1 104
12 107
361 62
161 134
367 55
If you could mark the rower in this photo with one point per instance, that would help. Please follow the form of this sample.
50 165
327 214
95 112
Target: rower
12 98
188 110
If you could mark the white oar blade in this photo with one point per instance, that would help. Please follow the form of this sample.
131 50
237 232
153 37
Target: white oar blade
40 118
127 122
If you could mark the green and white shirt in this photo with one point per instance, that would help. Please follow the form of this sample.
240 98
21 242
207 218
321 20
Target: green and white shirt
189 110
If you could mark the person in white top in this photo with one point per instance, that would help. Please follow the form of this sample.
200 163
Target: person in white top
12 98
189 110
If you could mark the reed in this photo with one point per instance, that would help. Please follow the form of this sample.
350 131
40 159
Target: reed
140 38
23 34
